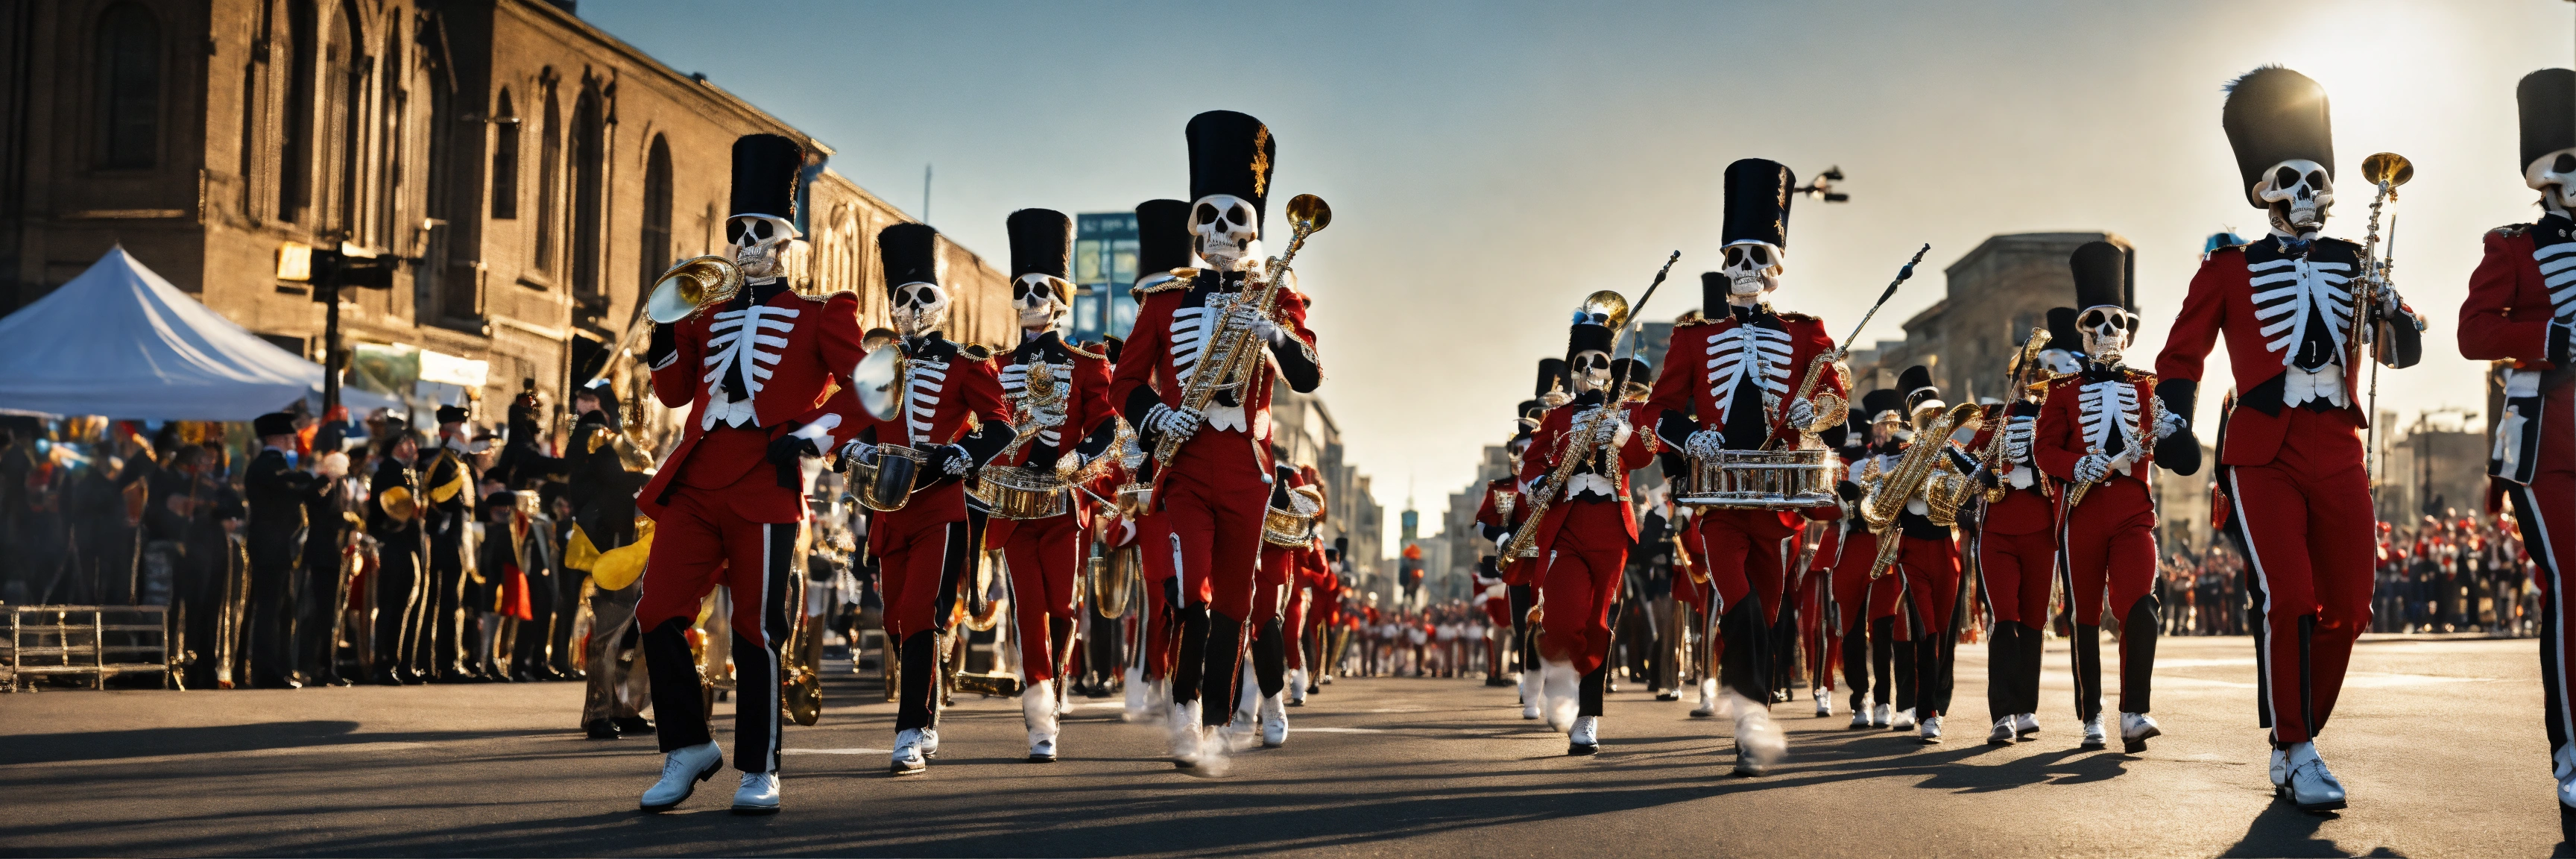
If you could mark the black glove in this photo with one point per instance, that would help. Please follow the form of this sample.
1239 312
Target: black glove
2562 344
937 468
1988 478
665 341
1848 490
2179 453
784 452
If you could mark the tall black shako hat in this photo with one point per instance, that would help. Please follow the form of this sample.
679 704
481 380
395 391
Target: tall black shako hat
910 253
1757 202
1162 237
2101 272
2062 334
764 175
1231 153
1552 376
1880 404
1042 243
2548 100
1591 332
2273 115
1916 385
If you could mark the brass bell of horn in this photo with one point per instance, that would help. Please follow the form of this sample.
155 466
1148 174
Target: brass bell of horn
696 282
2387 168
1609 306
1308 213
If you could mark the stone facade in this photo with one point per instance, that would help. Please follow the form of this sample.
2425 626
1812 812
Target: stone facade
1996 294
532 172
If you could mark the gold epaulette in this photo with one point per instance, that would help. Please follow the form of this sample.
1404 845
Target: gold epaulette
1794 316
975 352
1693 318
1101 354
1139 292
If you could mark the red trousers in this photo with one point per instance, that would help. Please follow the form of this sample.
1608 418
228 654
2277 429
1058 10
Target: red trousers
1855 593
1044 556
1817 636
2306 520
916 568
1294 613
2015 571
1744 556
2110 550
1155 626
1580 573
1212 505
700 543
1270 585
1929 570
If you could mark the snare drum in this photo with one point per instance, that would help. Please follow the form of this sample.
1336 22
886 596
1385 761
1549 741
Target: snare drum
1015 492
1283 528
1763 480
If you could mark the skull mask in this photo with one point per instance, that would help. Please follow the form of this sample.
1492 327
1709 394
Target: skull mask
1752 269
1591 368
1225 230
2552 175
2299 192
758 244
1038 298
919 308
2107 330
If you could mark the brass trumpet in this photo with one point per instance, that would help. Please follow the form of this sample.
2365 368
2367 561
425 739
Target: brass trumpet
693 284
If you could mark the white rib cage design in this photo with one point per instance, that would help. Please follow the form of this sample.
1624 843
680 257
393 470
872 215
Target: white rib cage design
1747 350
921 397
732 348
1190 329
2558 272
2296 287
1015 381
2101 400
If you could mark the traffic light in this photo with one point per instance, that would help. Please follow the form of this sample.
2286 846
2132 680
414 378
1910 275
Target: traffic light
329 270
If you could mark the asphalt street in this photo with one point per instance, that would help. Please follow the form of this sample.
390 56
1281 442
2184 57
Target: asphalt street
2439 740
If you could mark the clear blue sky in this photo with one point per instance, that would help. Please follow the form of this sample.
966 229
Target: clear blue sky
1490 163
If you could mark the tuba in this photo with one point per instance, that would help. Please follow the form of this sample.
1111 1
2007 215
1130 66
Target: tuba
1916 472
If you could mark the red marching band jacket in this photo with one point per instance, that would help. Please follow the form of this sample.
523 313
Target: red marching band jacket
1550 444
2507 318
951 391
2023 510
1162 352
1708 361
1086 408
2223 300
2070 426
796 360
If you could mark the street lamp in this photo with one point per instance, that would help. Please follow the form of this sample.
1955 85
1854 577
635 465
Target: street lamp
1822 186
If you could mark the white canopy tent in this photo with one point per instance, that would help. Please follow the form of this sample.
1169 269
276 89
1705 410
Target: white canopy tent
120 341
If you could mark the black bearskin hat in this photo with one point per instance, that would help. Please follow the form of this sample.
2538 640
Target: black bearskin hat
1757 202
1916 383
2062 334
2548 99
1880 402
2101 272
2273 115
1591 332
1231 153
1162 237
1637 370
910 254
1552 376
273 423
764 175
1042 243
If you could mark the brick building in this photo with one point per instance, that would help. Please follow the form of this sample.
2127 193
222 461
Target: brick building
531 172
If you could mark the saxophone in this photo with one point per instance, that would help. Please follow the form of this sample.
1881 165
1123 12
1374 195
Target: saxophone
1995 460
1588 441
1915 472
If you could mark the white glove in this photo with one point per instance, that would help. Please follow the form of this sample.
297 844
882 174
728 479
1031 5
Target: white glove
1704 443
1800 412
1503 543
2168 423
856 451
1619 436
1244 316
2091 467
1175 422
959 461
2017 435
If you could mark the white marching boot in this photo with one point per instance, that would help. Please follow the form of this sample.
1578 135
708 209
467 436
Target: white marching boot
1274 720
682 769
1860 719
1758 742
1562 686
1296 690
1183 723
1824 702
758 794
1038 713
1139 698
908 756
1533 698
1902 721
1879 717
1930 731
2135 730
930 742
2310 785
1707 699
1584 737
2002 734
1239 730
2094 736
2025 724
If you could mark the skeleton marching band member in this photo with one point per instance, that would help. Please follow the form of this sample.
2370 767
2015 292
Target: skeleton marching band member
1263 693
1927 574
1583 538
2016 538
1163 241
1212 495
2097 432
754 370
1503 509
2290 459
2521 310
953 413
1751 364
1868 606
1061 391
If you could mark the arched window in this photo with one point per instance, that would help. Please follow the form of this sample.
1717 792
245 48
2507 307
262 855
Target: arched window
505 159
129 87
589 156
295 158
656 245
549 153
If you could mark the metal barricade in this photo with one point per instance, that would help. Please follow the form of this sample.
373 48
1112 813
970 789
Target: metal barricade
98 642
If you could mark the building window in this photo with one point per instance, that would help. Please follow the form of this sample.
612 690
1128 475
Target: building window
589 154
656 244
129 87
549 153
505 159
295 158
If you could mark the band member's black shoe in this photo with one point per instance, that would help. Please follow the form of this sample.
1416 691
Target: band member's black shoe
385 677
331 680
600 729
682 769
1668 695
632 725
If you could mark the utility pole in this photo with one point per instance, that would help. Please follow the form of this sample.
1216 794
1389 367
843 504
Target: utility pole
327 272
